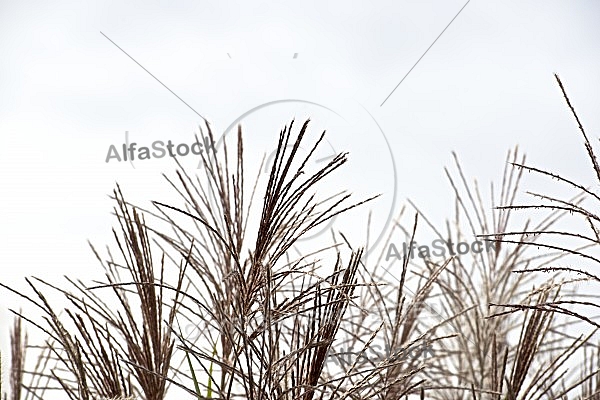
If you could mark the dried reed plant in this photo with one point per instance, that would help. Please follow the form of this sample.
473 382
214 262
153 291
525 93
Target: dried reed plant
99 348
495 355
271 318
575 247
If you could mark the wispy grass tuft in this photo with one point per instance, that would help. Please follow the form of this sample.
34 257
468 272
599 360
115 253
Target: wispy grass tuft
273 321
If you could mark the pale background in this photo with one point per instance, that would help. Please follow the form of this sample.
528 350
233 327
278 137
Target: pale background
67 94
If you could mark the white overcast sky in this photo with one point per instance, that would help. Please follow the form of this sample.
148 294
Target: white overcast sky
67 93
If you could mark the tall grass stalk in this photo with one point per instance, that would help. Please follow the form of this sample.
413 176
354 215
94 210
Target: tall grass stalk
271 320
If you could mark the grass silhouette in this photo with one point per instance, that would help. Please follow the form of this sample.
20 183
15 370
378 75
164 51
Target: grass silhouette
269 320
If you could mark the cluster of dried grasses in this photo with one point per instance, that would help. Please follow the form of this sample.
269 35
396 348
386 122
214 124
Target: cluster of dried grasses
270 319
